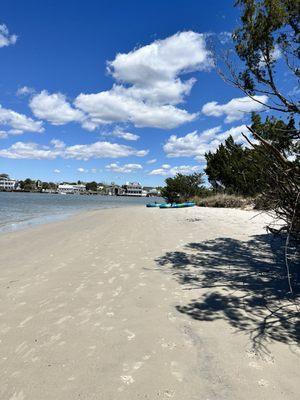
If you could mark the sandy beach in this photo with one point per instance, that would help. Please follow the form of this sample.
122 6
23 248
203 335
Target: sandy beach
139 303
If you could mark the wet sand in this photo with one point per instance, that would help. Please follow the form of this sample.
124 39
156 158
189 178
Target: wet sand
143 303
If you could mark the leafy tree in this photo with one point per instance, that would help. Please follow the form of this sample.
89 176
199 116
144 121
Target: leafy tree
269 34
28 185
182 187
92 186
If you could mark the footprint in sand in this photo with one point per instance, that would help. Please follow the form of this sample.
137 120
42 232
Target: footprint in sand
130 335
263 383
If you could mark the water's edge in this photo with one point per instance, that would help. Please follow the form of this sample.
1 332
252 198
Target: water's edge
19 211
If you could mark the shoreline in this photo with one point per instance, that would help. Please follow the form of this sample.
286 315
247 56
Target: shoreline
49 209
142 303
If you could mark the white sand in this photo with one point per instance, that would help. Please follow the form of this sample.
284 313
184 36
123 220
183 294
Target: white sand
116 304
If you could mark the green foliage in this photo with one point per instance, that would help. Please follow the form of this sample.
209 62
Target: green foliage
182 187
269 29
280 134
49 186
28 185
229 169
92 186
242 171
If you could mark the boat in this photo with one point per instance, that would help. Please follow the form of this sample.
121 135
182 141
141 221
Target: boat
178 205
154 204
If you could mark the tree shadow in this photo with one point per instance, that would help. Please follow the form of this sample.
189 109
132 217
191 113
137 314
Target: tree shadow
245 284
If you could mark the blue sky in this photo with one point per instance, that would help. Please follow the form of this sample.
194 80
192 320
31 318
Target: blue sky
113 91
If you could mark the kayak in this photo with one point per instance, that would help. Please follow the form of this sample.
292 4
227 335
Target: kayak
178 205
154 204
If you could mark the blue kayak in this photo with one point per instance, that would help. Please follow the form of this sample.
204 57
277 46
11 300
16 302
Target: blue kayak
178 205
154 204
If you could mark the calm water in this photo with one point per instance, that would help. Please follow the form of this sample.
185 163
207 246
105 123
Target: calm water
18 210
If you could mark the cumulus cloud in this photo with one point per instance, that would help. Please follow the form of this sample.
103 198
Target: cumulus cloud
149 84
235 109
101 150
162 59
114 106
56 171
5 38
196 144
148 87
82 170
54 108
126 168
22 150
167 170
18 123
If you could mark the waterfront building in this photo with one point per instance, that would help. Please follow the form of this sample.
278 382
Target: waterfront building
71 189
115 190
8 184
133 189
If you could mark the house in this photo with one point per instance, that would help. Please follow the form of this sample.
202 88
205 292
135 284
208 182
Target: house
133 189
66 188
115 190
8 184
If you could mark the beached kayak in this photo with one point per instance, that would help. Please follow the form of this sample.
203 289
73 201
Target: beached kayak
178 205
154 204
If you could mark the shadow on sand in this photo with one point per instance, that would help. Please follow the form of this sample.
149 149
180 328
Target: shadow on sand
244 283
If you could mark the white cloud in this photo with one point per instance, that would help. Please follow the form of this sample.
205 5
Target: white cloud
235 109
120 133
162 60
54 108
148 88
25 90
115 106
167 170
18 123
101 150
56 171
153 161
196 144
193 144
22 150
5 38
149 84
82 170
126 168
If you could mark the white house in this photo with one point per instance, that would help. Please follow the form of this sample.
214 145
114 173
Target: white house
8 184
72 189
133 189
